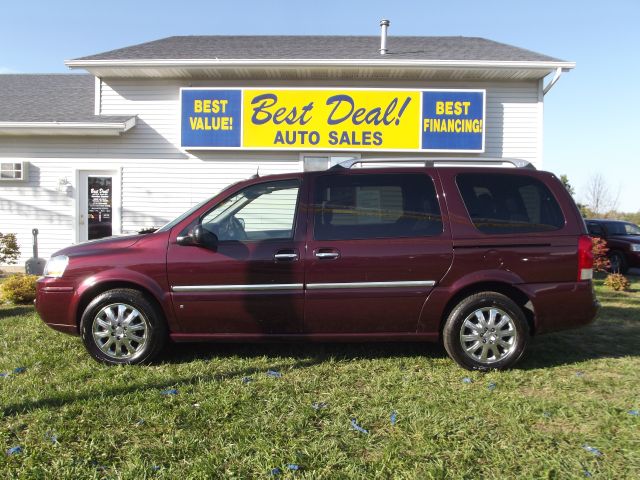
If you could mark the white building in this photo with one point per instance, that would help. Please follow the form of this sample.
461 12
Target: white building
90 155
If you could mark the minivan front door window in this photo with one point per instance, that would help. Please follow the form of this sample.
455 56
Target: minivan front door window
260 212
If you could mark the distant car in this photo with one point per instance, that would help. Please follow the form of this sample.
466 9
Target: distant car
623 240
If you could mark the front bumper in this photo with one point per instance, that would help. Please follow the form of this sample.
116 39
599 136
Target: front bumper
54 303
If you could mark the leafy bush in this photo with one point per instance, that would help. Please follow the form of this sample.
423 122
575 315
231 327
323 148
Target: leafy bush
19 288
617 281
599 248
9 250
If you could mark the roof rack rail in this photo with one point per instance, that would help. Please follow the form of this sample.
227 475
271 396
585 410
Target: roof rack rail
441 161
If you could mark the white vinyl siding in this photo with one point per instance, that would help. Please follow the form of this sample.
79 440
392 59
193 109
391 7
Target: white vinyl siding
160 181
39 202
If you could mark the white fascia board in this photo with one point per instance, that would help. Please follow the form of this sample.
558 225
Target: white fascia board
215 62
66 128
97 96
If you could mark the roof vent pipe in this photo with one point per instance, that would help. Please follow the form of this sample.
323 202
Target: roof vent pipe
384 25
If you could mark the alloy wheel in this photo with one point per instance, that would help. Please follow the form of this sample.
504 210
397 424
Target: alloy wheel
120 330
488 335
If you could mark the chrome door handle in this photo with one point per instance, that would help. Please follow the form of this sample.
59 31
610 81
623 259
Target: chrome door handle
286 256
327 254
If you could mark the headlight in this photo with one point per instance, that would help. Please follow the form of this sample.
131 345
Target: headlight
56 266
635 247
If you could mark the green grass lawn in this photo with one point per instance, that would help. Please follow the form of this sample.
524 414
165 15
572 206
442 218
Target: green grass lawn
74 418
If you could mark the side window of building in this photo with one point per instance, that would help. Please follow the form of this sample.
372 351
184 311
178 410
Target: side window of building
259 212
375 206
508 204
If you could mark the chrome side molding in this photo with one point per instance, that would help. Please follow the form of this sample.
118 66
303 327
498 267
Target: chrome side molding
300 286
238 288
420 283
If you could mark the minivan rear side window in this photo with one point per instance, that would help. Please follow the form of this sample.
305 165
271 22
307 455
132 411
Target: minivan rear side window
375 206
504 204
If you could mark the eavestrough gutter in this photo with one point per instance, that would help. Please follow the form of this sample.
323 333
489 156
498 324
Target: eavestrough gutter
386 62
67 128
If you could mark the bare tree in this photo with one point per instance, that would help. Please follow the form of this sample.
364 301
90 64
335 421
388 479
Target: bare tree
599 197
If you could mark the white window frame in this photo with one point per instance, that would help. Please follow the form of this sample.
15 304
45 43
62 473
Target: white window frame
24 170
333 158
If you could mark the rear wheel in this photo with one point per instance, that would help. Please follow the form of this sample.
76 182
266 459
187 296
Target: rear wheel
485 331
122 326
618 263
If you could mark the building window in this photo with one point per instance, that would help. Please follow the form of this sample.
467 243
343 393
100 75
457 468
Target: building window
319 162
12 171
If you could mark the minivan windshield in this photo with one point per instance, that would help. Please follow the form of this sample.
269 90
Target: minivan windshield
175 221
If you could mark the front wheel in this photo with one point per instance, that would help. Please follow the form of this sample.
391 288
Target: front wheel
485 331
122 326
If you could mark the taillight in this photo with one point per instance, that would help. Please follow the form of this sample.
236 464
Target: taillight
585 258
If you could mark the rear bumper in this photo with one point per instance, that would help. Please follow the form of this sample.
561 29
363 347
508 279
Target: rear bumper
555 306
54 303
562 306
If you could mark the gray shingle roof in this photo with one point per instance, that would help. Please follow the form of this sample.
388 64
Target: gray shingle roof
49 98
321 47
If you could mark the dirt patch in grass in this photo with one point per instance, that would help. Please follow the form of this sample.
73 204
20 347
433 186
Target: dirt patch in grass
562 426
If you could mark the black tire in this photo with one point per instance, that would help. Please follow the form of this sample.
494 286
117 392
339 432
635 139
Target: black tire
618 263
146 322
516 331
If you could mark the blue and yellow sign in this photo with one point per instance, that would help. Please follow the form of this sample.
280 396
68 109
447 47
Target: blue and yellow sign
453 120
332 119
211 118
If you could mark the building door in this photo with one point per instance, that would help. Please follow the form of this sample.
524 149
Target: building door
98 205
376 248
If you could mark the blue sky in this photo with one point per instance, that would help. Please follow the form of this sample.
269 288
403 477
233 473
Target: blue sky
592 116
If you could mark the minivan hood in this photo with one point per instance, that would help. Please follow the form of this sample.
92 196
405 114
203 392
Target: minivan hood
101 245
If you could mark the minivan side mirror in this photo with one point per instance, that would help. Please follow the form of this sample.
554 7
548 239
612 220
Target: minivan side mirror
204 238
200 237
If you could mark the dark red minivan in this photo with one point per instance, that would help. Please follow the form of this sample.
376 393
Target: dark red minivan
478 257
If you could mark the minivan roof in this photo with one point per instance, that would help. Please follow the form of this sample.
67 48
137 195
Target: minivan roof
439 161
